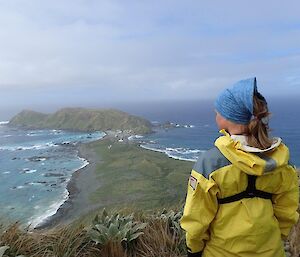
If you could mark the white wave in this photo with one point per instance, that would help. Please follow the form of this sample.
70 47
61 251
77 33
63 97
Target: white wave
135 137
4 122
97 135
35 184
85 163
34 133
171 152
53 208
29 171
182 159
31 198
20 187
179 153
31 147
31 134
188 126
4 136
6 172
56 132
180 150
153 149
36 159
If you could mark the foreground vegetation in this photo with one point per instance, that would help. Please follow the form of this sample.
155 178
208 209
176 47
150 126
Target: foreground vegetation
113 235
138 234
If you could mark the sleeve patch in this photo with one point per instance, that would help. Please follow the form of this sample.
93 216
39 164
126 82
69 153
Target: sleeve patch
193 182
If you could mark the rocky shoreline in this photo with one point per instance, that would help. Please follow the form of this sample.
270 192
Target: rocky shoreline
78 203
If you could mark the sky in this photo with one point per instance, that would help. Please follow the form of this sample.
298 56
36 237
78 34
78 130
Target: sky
96 52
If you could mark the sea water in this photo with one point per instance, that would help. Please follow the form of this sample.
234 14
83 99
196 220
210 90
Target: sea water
196 128
35 167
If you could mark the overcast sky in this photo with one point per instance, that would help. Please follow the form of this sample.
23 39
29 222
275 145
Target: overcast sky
74 52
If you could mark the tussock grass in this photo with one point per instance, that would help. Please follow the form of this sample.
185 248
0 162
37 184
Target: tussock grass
160 238
64 241
73 241
294 239
159 241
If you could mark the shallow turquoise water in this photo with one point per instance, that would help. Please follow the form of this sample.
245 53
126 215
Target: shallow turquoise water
36 166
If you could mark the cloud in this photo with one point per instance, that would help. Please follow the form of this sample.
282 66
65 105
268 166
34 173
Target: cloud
124 50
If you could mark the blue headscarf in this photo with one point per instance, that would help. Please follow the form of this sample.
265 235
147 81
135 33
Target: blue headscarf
236 104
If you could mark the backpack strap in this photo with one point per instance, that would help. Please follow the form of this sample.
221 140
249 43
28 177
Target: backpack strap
250 192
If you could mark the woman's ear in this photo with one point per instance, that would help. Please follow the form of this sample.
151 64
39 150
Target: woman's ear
221 122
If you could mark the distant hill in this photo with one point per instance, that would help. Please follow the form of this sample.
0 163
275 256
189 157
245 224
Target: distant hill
79 119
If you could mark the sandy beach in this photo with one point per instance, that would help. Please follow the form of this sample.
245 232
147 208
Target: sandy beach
78 191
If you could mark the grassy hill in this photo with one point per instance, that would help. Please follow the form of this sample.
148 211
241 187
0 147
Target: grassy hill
80 119
141 178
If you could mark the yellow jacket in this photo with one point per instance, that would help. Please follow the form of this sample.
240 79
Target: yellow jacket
249 226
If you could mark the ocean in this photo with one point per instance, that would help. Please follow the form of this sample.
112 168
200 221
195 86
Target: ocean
197 129
36 165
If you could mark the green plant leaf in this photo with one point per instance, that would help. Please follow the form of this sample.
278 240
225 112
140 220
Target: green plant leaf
135 236
112 230
96 220
3 250
101 228
139 226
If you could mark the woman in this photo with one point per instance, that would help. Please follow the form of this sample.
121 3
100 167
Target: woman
242 194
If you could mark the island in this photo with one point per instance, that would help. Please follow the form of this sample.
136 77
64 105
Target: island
81 119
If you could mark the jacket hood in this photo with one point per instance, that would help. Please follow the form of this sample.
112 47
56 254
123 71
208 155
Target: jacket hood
251 160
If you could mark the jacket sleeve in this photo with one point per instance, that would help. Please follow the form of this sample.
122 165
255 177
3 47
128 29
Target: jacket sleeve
286 201
200 209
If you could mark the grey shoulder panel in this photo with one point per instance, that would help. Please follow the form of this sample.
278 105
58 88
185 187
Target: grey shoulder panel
270 163
210 161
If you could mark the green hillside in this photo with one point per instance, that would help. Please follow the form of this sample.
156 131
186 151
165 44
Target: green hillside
80 119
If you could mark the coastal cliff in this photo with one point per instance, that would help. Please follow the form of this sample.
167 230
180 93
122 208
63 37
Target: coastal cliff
79 119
